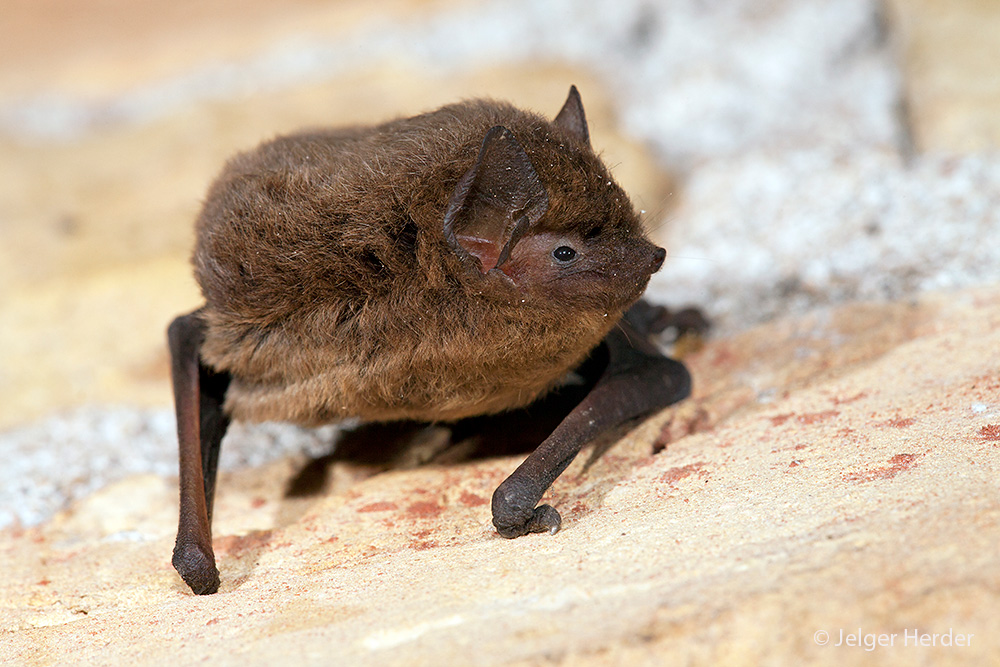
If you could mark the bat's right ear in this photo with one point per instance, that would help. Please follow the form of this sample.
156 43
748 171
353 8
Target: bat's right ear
572 118
495 202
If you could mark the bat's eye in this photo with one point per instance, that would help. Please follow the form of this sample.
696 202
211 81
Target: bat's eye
564 253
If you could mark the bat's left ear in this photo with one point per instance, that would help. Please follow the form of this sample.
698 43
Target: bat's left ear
572 118
495 202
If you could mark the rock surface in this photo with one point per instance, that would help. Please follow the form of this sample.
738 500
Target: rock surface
825 175
832 473
953 89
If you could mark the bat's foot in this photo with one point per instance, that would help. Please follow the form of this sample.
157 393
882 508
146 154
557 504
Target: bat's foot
543 519
514 515
650 320
197 568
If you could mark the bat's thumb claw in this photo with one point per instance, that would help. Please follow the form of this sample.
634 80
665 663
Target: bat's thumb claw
545 518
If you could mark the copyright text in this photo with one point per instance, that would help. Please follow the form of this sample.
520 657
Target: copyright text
869 641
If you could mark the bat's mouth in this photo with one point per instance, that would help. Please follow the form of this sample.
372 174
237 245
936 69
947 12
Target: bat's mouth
640 288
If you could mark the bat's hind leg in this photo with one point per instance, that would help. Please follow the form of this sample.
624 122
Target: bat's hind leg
198 396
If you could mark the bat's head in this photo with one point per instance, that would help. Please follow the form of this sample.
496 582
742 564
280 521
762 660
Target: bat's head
538 213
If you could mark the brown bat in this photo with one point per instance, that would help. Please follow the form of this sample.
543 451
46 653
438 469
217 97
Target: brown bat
455 264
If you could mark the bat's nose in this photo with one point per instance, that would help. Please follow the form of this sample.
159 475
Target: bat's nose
658 256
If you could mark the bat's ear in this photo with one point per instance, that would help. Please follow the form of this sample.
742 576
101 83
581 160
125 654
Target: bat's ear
495 202
571 117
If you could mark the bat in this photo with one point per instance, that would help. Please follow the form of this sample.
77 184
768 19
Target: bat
456 264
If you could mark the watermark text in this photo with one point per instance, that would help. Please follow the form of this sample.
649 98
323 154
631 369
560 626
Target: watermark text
908 638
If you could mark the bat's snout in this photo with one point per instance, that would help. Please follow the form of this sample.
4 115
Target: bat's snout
659 255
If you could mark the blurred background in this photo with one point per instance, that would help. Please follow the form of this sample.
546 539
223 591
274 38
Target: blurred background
791 154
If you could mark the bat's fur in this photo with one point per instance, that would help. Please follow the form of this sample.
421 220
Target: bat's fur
332 292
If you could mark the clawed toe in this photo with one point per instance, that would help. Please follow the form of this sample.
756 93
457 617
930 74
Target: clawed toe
543 519
196 568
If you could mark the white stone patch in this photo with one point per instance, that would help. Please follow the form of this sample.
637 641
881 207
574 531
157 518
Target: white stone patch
68 456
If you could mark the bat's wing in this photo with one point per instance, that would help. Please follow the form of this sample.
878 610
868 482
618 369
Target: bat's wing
636 381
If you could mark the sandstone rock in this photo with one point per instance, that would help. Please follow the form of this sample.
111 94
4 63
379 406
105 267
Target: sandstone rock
829 475
949 52
835 471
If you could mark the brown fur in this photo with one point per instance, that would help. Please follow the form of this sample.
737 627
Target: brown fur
332 292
